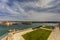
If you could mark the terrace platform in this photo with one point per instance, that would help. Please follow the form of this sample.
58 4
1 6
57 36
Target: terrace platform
55 35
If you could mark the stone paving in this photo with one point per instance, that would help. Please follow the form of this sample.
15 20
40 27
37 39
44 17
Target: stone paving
55 35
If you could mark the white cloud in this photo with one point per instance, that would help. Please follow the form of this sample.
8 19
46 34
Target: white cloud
17 10
39 3
6 18
4 1
44 16
44 3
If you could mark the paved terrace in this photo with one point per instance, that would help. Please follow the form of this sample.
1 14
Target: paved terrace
55 35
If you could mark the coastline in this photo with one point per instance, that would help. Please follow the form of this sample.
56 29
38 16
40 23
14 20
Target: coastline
17 34
3 36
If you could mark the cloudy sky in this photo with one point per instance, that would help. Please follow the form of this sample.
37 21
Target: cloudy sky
30 10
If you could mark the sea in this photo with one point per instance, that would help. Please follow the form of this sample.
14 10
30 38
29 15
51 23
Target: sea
4 29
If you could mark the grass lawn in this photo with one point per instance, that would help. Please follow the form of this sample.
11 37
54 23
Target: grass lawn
39 34
49 27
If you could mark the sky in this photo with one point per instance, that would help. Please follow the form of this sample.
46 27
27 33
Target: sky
30 10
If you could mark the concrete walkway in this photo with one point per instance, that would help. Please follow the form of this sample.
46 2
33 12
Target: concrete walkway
17 36
55 35
45 28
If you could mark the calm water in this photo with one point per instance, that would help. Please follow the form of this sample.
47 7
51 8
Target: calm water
4 29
